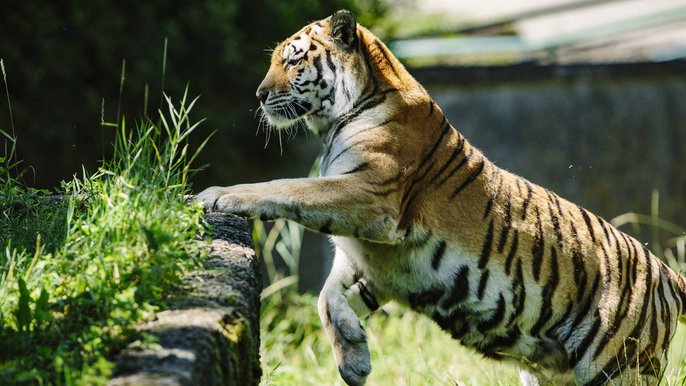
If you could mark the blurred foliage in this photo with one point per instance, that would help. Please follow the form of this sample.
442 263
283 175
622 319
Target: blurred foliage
64 59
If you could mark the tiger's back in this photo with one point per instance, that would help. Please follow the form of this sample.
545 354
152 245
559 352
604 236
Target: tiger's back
420 216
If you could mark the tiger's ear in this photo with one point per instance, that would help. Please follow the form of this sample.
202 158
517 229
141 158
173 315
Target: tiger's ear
344 29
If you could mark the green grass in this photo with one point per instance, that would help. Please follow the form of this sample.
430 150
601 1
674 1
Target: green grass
77 273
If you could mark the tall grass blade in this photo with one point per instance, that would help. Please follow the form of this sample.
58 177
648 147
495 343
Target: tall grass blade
7 94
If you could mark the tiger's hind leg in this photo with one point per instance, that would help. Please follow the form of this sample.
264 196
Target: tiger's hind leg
345 297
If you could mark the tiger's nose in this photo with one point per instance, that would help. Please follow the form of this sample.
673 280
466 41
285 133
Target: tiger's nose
262 94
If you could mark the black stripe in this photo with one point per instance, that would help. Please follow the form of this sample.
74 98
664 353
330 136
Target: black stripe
460 288
453 156
538 248
500 182
640 322
363 104
317 62
580 276
547 294
297 213
482 283
326 228
446 322
672 292
626 289
680 284
665 314
558 204
495 319
457 167
267 217
552 330
495 346
420 300
508 221
529 193
358 168
469 179
583 346
486 248
585 308
438 255
367 297
602 225
620 254
445 129
654 329
606 337
608 272
459 332
431 107
519 291
513 251
634 267
587 220
489 205
556 223
408 201
327 309
329 61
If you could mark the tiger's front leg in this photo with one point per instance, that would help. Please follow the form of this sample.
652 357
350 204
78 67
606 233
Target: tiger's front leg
338 205
346 297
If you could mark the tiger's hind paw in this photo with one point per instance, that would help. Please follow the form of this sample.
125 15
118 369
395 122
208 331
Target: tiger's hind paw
355 365
349 341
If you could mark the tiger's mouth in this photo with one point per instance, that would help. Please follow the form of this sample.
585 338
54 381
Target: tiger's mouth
286 114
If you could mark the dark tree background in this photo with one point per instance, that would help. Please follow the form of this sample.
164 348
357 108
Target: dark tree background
63 60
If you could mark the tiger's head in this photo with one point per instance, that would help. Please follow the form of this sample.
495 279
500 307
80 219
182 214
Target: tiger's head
315 75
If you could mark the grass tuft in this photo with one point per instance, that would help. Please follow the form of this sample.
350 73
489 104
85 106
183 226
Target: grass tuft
79 271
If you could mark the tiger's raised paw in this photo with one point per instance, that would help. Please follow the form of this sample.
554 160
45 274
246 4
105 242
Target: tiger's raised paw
349 341
209 198
231 199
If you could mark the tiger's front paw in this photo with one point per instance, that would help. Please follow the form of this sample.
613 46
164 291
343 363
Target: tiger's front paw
223 199
348 340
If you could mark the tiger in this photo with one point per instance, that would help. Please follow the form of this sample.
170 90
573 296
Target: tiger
419 216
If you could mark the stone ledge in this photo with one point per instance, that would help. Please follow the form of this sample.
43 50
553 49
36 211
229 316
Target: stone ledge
210 333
